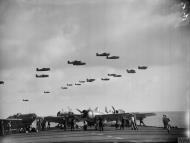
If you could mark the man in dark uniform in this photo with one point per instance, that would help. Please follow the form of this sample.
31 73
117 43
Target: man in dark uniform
141 122
2 132
101 124
116 124
72 124
85 125
122 123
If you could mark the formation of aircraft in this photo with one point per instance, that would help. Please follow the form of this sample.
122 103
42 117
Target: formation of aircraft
42 69
131 71
76 63
103 54
25 100
142 67
42 76
1 82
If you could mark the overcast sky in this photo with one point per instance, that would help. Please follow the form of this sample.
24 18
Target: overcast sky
47 33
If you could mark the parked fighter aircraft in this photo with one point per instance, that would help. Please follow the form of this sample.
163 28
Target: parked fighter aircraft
21 121
25 100
142 67
69 84
42 76
90 80
63 118
92 115
43 69
76 63
1 82
77 84
131 71
64 88
46 92
81 81
105 79
102 54
112 57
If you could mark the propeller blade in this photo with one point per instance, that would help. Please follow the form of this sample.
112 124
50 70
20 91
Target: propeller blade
113 109
79 110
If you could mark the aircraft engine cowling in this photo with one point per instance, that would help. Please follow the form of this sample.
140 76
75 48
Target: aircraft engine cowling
90 114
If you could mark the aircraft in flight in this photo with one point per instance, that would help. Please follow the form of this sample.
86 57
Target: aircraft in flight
105 79
142 67
69 84
112 57
46 92
21 121
42 76
117 75
42 69
131 71
64 88
103 54
25 100
114 75
90 79
1 82
77 84
81 81
76 63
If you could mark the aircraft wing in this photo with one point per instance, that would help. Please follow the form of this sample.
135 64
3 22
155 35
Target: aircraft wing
60 119
112 117
143 115
11 119
55 119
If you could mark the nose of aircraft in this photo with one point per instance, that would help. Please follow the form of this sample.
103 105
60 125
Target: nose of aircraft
90 114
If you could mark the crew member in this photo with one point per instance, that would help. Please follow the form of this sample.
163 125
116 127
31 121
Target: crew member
85 125
141 122
72 124
101 124
122 123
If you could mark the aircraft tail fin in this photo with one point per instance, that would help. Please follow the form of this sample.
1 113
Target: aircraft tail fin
106 109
